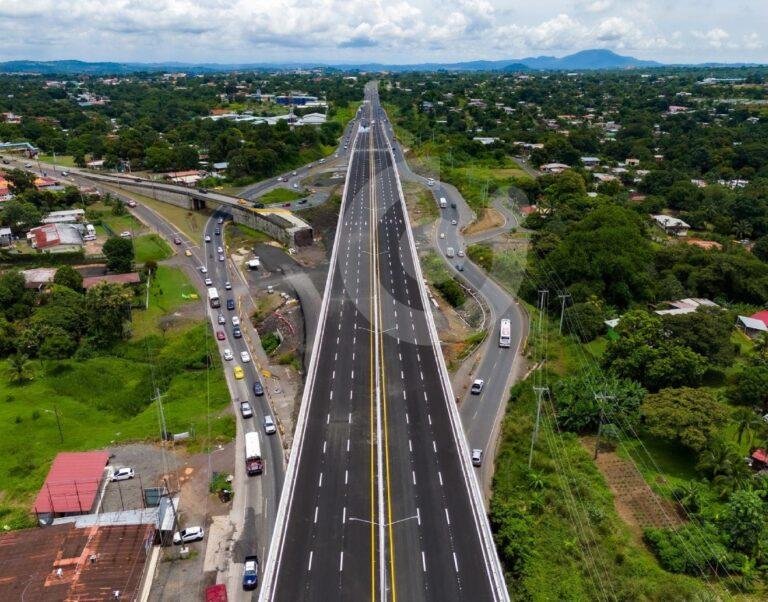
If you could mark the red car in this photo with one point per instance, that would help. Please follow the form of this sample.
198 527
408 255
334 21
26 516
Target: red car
220 335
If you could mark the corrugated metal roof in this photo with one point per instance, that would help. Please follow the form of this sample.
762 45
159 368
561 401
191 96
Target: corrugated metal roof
66 563
72 483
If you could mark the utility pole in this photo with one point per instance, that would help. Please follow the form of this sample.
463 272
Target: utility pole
563 297
540 392
58 421
600 399
539 389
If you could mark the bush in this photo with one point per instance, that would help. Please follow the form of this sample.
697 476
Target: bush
452 292
689 549
270 342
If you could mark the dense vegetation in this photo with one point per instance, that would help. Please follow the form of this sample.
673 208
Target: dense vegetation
157 124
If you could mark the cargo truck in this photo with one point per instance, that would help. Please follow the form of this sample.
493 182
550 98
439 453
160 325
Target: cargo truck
253 463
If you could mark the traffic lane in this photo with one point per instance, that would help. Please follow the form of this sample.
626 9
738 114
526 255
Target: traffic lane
422 366
326 393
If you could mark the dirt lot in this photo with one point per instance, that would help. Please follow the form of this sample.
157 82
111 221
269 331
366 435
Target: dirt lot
489 219
636 503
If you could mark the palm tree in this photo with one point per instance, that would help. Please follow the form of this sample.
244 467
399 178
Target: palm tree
18 368
742 229
725 466
689 495
747 422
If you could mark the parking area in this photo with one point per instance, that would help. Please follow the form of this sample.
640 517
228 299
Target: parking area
152 466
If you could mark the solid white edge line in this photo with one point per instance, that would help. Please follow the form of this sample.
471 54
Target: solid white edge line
492 563
274 555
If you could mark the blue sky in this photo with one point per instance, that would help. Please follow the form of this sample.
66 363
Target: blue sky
403 31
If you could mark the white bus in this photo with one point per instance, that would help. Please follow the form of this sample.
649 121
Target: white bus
505 333
213 297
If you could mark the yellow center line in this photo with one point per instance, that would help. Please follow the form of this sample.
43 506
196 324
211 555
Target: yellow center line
371 420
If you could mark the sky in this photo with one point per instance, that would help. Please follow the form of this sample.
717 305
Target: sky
395 31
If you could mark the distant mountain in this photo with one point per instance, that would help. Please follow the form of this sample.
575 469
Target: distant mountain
586 60
580 61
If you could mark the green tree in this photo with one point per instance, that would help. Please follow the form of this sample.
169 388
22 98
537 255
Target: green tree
58 344
760 248
20 216
119 252
645 352
744 521
513 534
18 368
688 416
68 276
750 387
109 307
578 410
585 320
707 331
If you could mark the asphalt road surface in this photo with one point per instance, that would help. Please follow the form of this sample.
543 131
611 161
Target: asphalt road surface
380 499
480 414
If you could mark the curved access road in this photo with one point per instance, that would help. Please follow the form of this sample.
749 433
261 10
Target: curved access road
499 368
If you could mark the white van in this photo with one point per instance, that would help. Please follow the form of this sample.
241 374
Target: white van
443 202
235 321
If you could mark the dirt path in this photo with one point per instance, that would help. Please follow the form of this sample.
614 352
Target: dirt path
636 503
489 219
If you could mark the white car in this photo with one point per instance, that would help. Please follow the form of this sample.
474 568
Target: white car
460 253
228 285
222 319
122 474
221 257
246 410
189 534
220 221
442 234
235 321
477 386
454 222
207 238
228 355
220 250
269 425
125 234
208 282
244 357
203 269
477 457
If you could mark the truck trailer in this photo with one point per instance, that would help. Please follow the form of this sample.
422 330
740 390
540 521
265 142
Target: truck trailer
253 463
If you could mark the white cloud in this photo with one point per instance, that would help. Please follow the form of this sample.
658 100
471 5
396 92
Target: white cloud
401 30
716 37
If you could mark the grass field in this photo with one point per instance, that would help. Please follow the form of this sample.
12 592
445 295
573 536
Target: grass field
191 223
169 291
280 195
63 160
150 247
117 223
105 400
343 115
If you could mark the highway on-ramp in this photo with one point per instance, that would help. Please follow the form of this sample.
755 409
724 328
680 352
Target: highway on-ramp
380 500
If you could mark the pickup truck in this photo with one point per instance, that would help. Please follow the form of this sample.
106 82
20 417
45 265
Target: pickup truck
251 572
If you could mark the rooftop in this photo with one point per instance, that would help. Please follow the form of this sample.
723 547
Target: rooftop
63 562
72 483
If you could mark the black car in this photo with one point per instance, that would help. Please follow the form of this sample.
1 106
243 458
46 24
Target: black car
237 333
217 231
230 304
258 389
258 205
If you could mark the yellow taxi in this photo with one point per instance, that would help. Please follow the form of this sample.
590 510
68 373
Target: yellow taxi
239 374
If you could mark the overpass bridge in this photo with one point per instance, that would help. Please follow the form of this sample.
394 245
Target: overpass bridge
280 224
